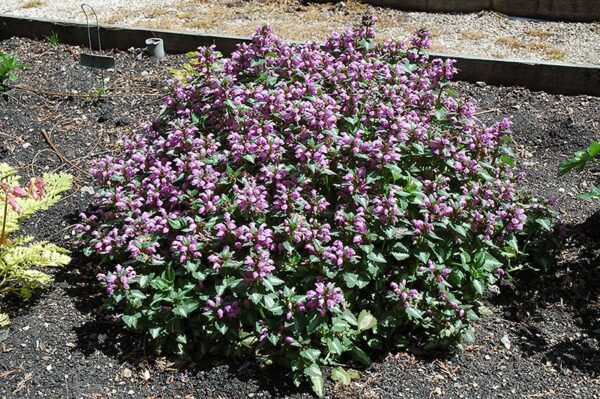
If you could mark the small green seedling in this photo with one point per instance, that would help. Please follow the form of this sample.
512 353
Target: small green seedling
53 38
578 161
8 65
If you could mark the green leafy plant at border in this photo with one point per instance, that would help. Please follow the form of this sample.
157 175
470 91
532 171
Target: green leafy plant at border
20 256
53 38
8 65
578 161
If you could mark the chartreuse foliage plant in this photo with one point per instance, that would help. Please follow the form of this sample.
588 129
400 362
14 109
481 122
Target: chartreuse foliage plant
309 205
579 161
20 257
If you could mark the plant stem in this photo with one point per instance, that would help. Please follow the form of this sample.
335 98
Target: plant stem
3 235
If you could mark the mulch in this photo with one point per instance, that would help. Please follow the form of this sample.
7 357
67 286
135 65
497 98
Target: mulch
539 340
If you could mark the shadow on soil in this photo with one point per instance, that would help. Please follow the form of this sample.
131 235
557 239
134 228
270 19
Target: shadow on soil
573 283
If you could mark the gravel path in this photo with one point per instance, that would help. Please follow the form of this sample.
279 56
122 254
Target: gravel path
484 34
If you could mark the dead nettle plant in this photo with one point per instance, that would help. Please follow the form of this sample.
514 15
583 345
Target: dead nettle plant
310 205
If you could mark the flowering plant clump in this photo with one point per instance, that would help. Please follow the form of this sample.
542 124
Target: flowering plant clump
308 204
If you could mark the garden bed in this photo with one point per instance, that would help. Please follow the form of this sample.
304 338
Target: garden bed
540 339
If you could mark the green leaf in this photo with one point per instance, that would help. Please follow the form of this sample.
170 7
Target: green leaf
376 257
359 355
131 321
335 346
594 149
353 280
255 298
137 294
366 44
310 354
545 223
155 332
344 376
409 68
362 201
510 161
594 193
579 160
317 385
221 327
275 280
340 325
366 321
177 223
413 313
460 230
269 302
395 171
288 247
400 256
478 287
349 317
489 262
230 104
185 308
440 114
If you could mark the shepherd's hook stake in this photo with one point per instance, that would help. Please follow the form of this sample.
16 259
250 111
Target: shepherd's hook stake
92 60
87 22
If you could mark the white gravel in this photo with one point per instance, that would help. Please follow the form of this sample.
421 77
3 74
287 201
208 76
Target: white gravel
483 34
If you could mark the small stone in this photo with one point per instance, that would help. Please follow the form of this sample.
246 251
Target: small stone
122 122
126 373
26 328
487 357
49 367
505 341
481 84
146 375
87 190
26 145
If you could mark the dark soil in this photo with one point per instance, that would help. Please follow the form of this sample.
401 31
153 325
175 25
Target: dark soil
540 339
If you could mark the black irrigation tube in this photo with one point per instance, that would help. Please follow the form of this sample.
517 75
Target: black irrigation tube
551 77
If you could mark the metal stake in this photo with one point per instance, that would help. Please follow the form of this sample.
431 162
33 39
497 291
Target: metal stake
91 60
